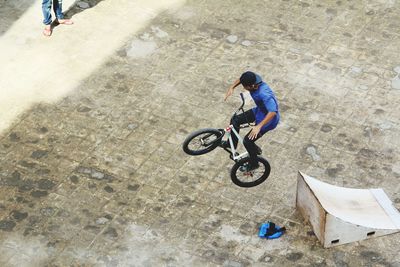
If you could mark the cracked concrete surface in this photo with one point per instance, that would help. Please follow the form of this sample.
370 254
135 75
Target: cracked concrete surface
97 176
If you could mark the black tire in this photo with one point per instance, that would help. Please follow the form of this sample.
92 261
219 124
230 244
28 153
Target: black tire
202 141
256 176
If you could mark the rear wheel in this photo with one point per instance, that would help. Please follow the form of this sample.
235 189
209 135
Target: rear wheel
243 178
202 141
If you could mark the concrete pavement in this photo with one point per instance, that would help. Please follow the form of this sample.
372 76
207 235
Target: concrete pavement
91 167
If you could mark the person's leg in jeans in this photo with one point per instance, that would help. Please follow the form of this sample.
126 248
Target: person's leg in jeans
57 7
46 9
237 120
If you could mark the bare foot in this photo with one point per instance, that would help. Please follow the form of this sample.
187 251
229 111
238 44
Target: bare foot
65 21
47 31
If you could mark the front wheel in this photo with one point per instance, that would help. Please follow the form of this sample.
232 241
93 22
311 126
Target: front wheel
242 177
202 141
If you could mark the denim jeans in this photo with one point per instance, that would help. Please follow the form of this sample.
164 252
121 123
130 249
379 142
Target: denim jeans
46 8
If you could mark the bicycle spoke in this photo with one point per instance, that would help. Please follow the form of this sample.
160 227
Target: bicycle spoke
250 176
196 145
202 141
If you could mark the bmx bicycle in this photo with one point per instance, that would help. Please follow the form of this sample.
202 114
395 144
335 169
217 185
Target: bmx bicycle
205 140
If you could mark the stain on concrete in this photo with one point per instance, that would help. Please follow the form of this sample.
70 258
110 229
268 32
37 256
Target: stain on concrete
74 179
7 225
26 185
39 193
27 164
14 137
333 172
110 232
294 256
368 153
38 154
18 215
45 184
134 187
374 258
108 189
326 128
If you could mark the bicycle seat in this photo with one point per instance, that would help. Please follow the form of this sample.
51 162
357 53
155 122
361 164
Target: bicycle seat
247 125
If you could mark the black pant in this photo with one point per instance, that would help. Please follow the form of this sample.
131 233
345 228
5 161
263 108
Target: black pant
251 147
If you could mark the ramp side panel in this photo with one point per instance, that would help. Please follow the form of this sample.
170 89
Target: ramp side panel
338 232
310 208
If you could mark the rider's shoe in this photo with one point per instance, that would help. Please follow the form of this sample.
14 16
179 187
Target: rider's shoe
259 150
248 167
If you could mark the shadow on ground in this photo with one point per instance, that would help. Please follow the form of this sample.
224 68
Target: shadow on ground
11 11
80 6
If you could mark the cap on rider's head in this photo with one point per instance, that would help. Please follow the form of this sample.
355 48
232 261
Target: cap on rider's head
249 78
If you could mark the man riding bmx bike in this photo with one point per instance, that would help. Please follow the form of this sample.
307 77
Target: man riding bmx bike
265 115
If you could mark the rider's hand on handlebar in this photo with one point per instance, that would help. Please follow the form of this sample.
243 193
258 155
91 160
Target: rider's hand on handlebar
229 93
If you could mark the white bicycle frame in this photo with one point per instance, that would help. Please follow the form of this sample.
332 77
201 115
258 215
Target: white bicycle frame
235 155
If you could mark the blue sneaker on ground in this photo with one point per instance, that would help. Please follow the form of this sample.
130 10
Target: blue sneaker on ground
271 231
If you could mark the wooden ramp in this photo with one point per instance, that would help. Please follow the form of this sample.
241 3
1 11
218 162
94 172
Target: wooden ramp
341 215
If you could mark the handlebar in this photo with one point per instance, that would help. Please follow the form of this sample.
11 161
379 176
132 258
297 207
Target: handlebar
242 97
242 110
242 105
